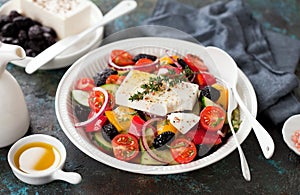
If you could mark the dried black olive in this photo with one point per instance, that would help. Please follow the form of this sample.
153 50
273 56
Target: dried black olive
211 93
109 132
101 77
22 22
162 139
4 19
182 63
81 112
35 32
9 30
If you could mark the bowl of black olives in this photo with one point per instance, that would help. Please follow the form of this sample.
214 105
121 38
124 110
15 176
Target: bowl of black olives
19 29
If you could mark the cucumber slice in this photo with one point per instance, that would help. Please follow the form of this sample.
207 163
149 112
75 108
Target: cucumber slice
98 138
146 159
81 97
166 156
111 88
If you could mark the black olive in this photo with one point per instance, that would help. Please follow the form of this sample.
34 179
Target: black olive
211 93
35 32
7 40
30 52
9 30
81 112
109 132
49 38
182 63
13 14
142 55
22 36
162 139
22 22
101 77
4 19
49 30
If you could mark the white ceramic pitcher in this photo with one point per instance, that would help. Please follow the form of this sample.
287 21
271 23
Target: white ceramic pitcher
14 117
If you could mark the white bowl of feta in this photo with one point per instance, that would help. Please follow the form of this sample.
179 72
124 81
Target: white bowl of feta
67 18
97 60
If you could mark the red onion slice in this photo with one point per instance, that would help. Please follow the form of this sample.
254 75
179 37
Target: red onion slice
102 109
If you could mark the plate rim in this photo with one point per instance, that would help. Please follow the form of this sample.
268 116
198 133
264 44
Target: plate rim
62 60
154 170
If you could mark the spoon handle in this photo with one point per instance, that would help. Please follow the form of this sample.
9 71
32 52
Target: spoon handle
265 140
243 160
51 52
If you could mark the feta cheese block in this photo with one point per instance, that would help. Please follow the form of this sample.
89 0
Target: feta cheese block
66 17
183 122
182 96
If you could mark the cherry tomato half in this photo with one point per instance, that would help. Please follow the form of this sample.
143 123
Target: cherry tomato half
85 84
115 79
125 146
203 79
195 63
212 118
183 150
121 57
143 61
96 100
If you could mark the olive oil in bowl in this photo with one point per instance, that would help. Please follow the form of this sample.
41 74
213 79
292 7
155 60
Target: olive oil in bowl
37 156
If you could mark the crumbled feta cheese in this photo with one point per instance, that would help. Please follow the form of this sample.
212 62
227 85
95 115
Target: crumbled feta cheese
183 122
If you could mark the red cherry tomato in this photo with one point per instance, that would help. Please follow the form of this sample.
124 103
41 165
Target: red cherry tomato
85 84
121 57
125 147
183 150
203 79
114 79
195 63
212 118
96 100
143 61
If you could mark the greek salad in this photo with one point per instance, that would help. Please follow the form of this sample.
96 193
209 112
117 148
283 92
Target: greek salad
153 110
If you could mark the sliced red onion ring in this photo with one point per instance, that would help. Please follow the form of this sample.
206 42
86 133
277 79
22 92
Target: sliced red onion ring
102 109
173 60
132 67
144 141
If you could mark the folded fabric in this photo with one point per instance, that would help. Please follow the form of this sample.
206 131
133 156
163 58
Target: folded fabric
268 59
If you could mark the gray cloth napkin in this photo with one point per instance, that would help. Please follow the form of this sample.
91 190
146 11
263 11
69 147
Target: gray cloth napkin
267 58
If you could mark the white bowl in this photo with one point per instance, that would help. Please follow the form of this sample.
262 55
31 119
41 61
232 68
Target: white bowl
72 54
97 60
290 126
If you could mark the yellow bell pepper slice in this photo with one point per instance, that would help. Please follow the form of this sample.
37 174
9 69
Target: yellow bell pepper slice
121 118
165 126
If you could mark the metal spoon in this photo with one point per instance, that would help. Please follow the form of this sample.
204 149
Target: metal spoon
227 63
122 8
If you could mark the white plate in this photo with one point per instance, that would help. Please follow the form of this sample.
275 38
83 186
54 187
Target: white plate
290 126
72 54
96 60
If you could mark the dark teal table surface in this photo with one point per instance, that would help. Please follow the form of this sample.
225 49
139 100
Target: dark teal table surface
279 175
